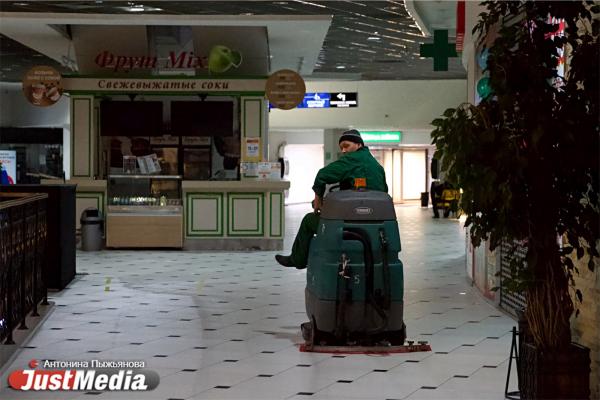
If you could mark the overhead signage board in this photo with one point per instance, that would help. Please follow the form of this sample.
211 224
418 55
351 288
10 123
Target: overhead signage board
140 50
315 100
344 99
381 136
328 100
174 85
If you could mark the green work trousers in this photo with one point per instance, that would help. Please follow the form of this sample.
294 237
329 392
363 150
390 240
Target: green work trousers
308 228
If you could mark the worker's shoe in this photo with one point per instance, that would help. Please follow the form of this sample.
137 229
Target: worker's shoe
286 261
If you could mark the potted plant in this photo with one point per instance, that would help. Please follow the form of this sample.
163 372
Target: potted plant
527 160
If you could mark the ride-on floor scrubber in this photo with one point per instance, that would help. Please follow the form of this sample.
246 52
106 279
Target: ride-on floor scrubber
355 284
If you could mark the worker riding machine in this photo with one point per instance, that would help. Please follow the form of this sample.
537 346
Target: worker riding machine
355 284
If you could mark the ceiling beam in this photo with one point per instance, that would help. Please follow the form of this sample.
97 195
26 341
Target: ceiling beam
42 38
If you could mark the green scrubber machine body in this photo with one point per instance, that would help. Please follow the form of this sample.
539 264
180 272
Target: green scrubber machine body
355 284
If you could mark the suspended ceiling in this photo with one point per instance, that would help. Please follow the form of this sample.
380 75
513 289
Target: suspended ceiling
362 40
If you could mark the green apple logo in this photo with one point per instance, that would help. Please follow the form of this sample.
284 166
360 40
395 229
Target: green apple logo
221 58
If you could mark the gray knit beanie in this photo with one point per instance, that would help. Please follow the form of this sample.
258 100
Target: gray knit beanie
352 136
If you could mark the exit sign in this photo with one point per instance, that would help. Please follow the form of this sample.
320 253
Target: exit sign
381 136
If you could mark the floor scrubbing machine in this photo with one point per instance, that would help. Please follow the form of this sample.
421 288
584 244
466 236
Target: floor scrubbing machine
355 284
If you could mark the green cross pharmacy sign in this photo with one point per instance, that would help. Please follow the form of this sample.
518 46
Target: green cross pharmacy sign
440 50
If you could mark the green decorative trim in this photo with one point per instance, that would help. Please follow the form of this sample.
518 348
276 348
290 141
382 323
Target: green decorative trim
260 121
99 196
72 112
260 212
159 93
189 214
280 195
145 76
97 134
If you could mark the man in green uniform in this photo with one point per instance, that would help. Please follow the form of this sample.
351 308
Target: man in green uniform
356 162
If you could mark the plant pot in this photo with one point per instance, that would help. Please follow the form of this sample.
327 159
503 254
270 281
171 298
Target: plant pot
562 374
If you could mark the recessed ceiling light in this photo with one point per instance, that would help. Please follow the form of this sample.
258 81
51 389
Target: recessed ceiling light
373 38
341 67
139 8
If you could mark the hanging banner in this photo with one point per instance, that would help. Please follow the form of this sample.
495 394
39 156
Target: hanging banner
42 86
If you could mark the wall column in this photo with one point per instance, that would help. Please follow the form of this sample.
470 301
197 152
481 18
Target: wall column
253 122
83 137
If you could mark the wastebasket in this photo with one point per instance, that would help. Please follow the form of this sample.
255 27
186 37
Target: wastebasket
424 199
91 229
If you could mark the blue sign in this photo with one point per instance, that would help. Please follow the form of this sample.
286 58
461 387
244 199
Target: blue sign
315 100
328 100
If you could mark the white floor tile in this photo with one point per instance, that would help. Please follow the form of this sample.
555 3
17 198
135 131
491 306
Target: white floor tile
218 325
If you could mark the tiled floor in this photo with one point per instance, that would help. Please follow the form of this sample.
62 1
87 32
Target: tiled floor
226 325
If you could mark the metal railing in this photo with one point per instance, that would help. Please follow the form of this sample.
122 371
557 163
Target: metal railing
23 234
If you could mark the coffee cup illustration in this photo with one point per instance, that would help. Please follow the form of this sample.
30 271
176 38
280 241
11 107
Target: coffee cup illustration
53 94
42 86
37 91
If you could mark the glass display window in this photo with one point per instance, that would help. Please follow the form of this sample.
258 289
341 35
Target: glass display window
168 158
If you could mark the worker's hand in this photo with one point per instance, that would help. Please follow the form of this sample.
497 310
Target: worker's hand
317 203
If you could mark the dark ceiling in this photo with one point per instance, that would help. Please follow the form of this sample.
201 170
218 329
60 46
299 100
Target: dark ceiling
368 40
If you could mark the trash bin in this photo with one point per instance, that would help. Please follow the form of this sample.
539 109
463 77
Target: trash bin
424 199
91 229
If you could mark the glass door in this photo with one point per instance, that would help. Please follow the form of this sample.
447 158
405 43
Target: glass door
414 174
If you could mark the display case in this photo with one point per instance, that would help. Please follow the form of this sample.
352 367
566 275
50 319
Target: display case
144 211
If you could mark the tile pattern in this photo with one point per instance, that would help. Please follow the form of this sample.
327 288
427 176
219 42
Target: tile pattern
226 325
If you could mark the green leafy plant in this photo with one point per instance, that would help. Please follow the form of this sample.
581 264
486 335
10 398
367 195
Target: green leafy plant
527 156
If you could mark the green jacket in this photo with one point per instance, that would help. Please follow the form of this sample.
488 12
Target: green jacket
358 164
